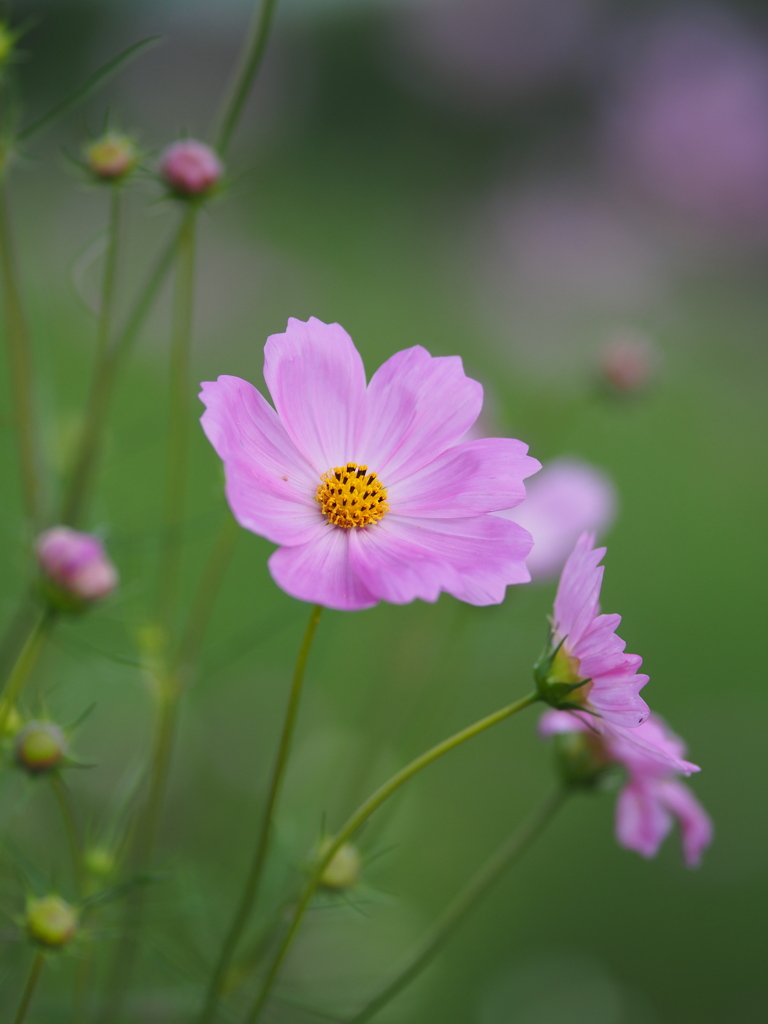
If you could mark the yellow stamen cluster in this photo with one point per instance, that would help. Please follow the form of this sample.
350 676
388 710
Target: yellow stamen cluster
352 496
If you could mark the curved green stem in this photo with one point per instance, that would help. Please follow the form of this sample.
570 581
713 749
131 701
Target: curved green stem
253 881
21 372
245 74
462 905
25 662
179 431
29 988
358 818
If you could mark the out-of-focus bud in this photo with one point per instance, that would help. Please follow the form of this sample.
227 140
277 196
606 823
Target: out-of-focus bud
100 862
112 156
77 566
40 746
628 363
190 168
581 755
10 719
343 869
51 921
567 497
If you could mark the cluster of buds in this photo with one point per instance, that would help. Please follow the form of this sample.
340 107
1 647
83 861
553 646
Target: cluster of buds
76 568
190 168
111 157
51 922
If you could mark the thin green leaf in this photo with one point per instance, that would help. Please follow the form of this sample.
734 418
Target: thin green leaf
89 86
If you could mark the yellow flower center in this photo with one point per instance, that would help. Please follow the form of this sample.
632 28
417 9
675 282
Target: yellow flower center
351 495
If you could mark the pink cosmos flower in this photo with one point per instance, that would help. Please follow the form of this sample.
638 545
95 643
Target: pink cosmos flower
366 488
588 668
653 795
567 497
77 562
190 167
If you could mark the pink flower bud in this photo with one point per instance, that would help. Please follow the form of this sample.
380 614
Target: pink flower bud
76 562
111 157
190 167
628 362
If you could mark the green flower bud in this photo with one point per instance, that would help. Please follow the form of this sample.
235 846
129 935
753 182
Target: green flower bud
582 759
112 156
40 746
99 862
343 869
51 921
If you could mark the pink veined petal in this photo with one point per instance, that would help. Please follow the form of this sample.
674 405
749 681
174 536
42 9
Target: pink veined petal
642 821
618 702
473 559
578 593
270 486
469 479
319 571
695 823
417 405
645 751
317 381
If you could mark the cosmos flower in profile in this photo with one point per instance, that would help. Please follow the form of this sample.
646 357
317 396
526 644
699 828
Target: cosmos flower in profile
585 669
653 796
365 487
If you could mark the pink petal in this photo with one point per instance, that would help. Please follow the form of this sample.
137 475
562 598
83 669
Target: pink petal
317 381
553 722
578 593
473 559
416 407
642 821
469 479
649 750
320 572
270 486
695 823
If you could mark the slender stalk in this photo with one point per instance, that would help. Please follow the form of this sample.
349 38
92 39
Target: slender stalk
208 588
102 387
245 74
179 431
25 662
462 905
64 801
253 881
29 988
21 372
358 818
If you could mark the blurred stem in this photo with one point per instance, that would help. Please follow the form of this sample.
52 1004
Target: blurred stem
253 881
26 661
208 588
29 988
64 801
179 430
462 905
357 819
21 371
108 361
245 74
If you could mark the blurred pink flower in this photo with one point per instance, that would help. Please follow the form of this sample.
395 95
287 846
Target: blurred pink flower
190 167
653 796
365 488
690 118
76 562
566 498
628 361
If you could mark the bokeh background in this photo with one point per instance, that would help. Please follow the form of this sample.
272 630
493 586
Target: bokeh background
519 182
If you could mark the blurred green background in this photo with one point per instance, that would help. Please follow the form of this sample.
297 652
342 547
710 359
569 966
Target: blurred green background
418 198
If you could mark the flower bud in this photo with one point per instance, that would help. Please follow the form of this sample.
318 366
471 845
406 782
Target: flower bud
112 156
78 566
40 746
581 757
51 921
343 869
99 861
190 168
10 719
628 363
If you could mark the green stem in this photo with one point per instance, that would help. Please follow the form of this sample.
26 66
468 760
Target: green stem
179 431
358 818
253 881
245 74
208 588
70 827
29 988
25 662
102 387
462 905
21 372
